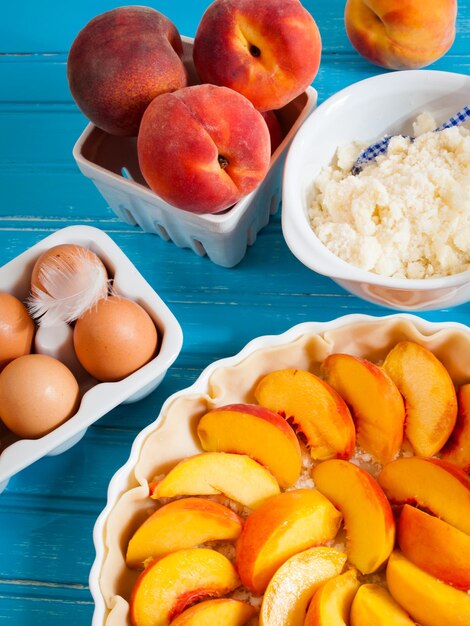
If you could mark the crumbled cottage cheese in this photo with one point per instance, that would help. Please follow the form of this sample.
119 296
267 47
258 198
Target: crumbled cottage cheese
407 214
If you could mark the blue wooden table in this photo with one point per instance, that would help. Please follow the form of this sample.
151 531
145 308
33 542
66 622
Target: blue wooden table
48 511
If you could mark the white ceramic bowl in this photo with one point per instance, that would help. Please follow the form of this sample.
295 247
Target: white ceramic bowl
100 398
365 111
112 164
173 434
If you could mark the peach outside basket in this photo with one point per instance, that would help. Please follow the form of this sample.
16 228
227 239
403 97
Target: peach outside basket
111 163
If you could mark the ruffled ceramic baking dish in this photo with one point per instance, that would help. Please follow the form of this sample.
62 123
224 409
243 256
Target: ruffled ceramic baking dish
173 434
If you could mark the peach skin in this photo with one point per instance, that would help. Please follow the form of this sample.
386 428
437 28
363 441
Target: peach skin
435 546
120 61
268 50
428 390
376 404
293 585
203 148
428 601
184 523
401 35
457 448
225 611
283 526
256 431
314 408
171 584
275 130
331 604
432 484
374 605
368 518
235 475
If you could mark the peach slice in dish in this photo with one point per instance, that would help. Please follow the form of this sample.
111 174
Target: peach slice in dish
184 523
256 431
224 611
431 484
374 400
293 585
331 604
171 584
237 476
457 448
368 518
283 526
429 601
374 605
429 393
313 407
435 546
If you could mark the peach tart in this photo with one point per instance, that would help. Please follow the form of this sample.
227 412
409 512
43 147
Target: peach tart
331 490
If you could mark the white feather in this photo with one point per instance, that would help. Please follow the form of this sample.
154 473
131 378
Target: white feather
71 290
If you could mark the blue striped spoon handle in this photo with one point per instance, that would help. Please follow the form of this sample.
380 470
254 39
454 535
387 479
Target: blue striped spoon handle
380 147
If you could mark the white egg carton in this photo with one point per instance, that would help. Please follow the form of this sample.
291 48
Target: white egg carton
112 164
98 398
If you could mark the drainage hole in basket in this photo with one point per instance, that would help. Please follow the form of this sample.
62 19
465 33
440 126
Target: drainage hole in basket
198 247
126 174
127 215
274 204
251 235
162 231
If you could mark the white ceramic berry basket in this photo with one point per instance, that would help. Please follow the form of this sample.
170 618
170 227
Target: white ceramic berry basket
172 436
112 164
100 398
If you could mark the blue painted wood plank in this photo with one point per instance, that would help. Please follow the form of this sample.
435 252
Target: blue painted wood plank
57 33
22 78
45 537
20 606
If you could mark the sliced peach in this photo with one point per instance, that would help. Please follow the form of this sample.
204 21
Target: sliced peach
428 600
293 585
368 518
374 605
457 449
315 409
432 484
182 524
171 584
281 527
256 431
374 400
235 475
429 393
331 603
225 611
435 546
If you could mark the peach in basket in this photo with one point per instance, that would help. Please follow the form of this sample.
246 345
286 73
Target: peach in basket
112 164
294 547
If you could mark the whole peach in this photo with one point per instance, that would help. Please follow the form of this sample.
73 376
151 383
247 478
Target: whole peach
119 62
203 147
401 34
268 50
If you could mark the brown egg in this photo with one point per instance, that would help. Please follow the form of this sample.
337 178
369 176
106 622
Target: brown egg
37 393
66 255
114 338
16 329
